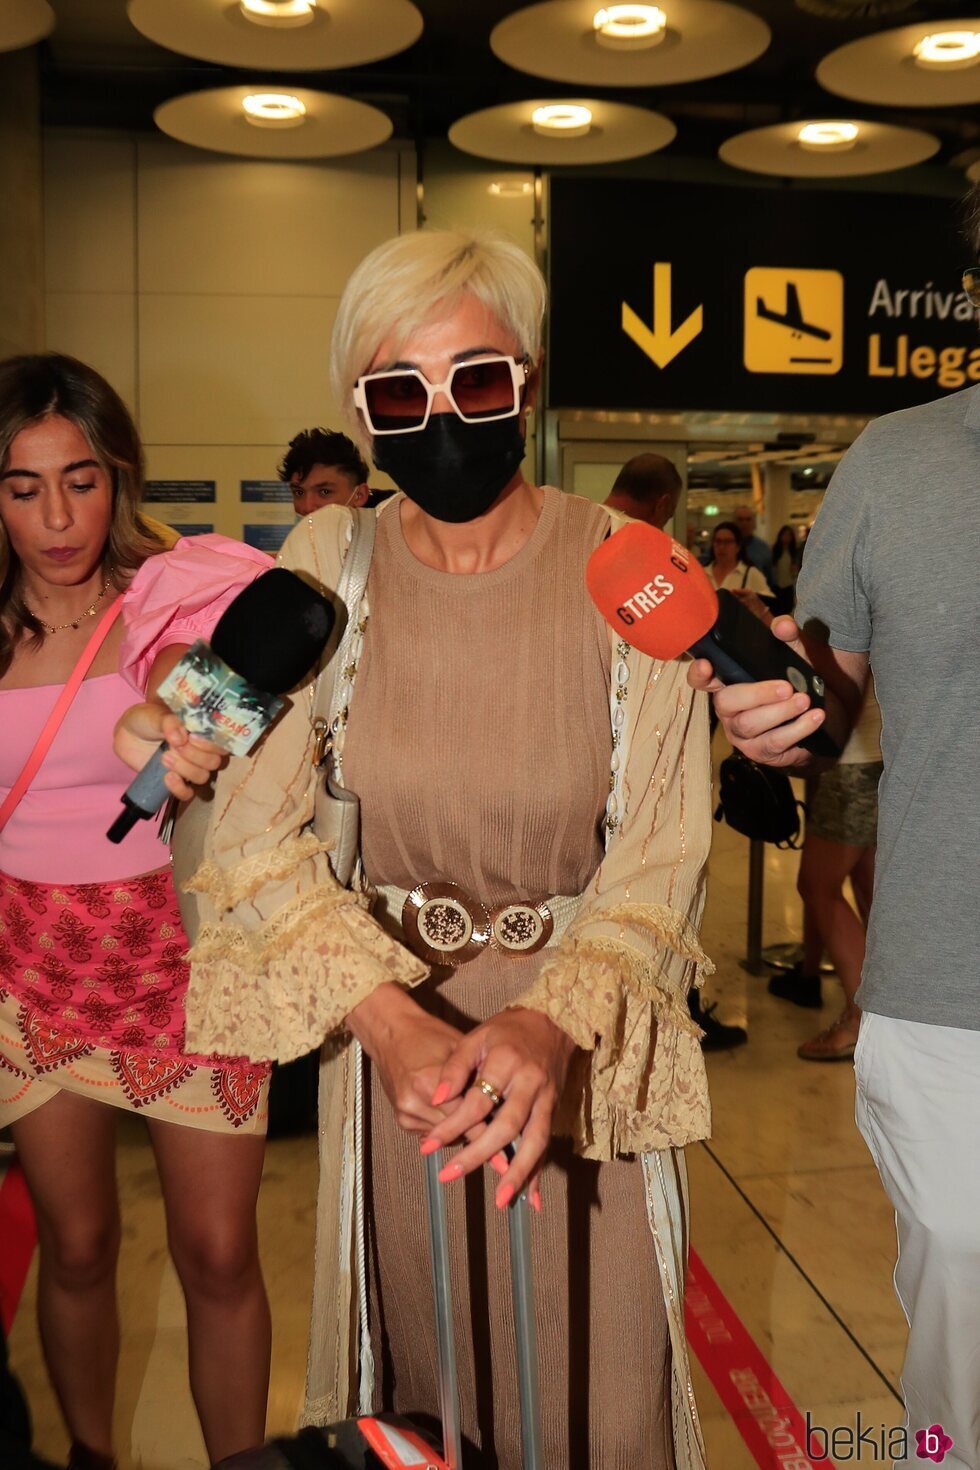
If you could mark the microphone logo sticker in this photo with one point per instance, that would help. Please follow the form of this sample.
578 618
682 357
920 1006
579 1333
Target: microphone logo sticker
646 600
214 701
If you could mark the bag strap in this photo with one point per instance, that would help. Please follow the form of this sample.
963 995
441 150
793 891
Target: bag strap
61 707
330 695
745 576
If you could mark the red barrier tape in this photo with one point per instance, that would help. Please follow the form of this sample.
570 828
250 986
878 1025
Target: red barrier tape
18 1237
763 1412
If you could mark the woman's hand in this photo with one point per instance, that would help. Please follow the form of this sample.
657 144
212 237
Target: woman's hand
191 760
524 1057
409 1048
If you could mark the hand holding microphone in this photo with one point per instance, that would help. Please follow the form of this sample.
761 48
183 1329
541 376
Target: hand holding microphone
189 761
660 600
265 641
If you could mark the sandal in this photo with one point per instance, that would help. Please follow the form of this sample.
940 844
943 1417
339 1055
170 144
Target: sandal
836 1044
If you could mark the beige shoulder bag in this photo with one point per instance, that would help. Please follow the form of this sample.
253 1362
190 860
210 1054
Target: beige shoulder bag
336 815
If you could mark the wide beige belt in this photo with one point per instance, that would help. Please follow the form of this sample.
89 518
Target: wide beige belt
445 925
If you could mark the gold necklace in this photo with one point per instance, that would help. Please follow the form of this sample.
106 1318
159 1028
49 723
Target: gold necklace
88 613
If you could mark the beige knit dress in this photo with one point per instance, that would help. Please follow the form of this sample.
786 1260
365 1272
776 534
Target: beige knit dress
479 745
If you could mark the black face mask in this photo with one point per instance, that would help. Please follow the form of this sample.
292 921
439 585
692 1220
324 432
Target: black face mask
452 470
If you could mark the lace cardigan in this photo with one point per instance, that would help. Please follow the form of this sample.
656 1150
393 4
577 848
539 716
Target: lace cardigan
284 953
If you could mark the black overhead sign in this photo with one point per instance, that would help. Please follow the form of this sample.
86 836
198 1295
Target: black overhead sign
673 296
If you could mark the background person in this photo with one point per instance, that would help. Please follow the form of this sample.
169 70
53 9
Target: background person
786 559
901 514
323 467
839 843
478 740
647 488
753 549
728 568
92 974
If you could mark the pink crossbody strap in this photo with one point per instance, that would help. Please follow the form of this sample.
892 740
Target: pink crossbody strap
62 705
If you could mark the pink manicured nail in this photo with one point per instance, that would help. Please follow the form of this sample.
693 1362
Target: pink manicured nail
499 1162
429 1146
440 1094
536 1199
504 1196
449 1173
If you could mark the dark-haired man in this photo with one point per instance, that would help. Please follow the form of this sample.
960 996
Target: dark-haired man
647 488
323 467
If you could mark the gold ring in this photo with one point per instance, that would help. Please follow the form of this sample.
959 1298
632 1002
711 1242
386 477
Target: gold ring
488 1090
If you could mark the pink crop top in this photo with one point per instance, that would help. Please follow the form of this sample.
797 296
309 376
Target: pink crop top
57 833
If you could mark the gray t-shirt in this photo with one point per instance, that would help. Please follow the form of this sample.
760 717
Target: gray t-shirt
892 566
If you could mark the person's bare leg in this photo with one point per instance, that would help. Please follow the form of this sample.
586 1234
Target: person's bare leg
863 882
812 943
210 1186
824 867
67 1151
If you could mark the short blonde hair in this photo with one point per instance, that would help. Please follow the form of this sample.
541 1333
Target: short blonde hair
395 290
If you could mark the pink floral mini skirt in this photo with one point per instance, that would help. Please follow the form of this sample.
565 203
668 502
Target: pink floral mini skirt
92 986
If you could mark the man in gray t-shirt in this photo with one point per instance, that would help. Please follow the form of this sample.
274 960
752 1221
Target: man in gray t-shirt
891 570
892 575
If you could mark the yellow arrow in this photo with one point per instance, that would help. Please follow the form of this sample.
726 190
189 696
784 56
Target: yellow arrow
661 344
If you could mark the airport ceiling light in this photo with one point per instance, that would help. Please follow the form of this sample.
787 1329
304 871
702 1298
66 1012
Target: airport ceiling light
613 131
630 46
562 120
273 110
513 188
23 22
948 50
629 27
265 124
279 12
828 137
933 64
792 150
279 35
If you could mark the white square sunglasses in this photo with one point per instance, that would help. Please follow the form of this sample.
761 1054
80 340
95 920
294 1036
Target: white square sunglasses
480 389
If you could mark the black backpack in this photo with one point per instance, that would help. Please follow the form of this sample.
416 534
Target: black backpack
758 802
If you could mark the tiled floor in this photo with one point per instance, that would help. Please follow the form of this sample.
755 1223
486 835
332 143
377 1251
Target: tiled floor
789 1218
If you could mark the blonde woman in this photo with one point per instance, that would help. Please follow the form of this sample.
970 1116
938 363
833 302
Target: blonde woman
535 813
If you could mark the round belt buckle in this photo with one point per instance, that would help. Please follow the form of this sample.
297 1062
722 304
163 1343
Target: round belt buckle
521 928
444 925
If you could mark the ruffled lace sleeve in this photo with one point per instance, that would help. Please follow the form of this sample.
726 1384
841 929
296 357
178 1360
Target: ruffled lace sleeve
283 953
618 981
179 595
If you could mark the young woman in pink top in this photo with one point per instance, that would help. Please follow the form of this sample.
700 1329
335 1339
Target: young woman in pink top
92 974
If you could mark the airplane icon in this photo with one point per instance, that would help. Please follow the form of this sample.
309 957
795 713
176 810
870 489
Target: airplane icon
784 340
792 317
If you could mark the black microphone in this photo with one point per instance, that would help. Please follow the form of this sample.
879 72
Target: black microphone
263 644
657 597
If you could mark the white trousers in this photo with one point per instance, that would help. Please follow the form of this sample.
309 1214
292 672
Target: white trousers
918 1107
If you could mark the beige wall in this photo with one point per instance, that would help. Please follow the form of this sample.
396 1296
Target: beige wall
204 288
457 196
21 258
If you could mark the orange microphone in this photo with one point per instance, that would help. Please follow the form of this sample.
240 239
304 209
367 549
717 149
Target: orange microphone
654 593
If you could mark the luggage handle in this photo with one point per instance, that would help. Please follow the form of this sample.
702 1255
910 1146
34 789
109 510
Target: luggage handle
522 1289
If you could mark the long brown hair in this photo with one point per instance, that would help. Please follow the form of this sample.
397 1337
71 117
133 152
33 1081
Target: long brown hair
31 389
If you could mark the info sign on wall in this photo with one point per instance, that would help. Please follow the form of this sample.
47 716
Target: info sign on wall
680 297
